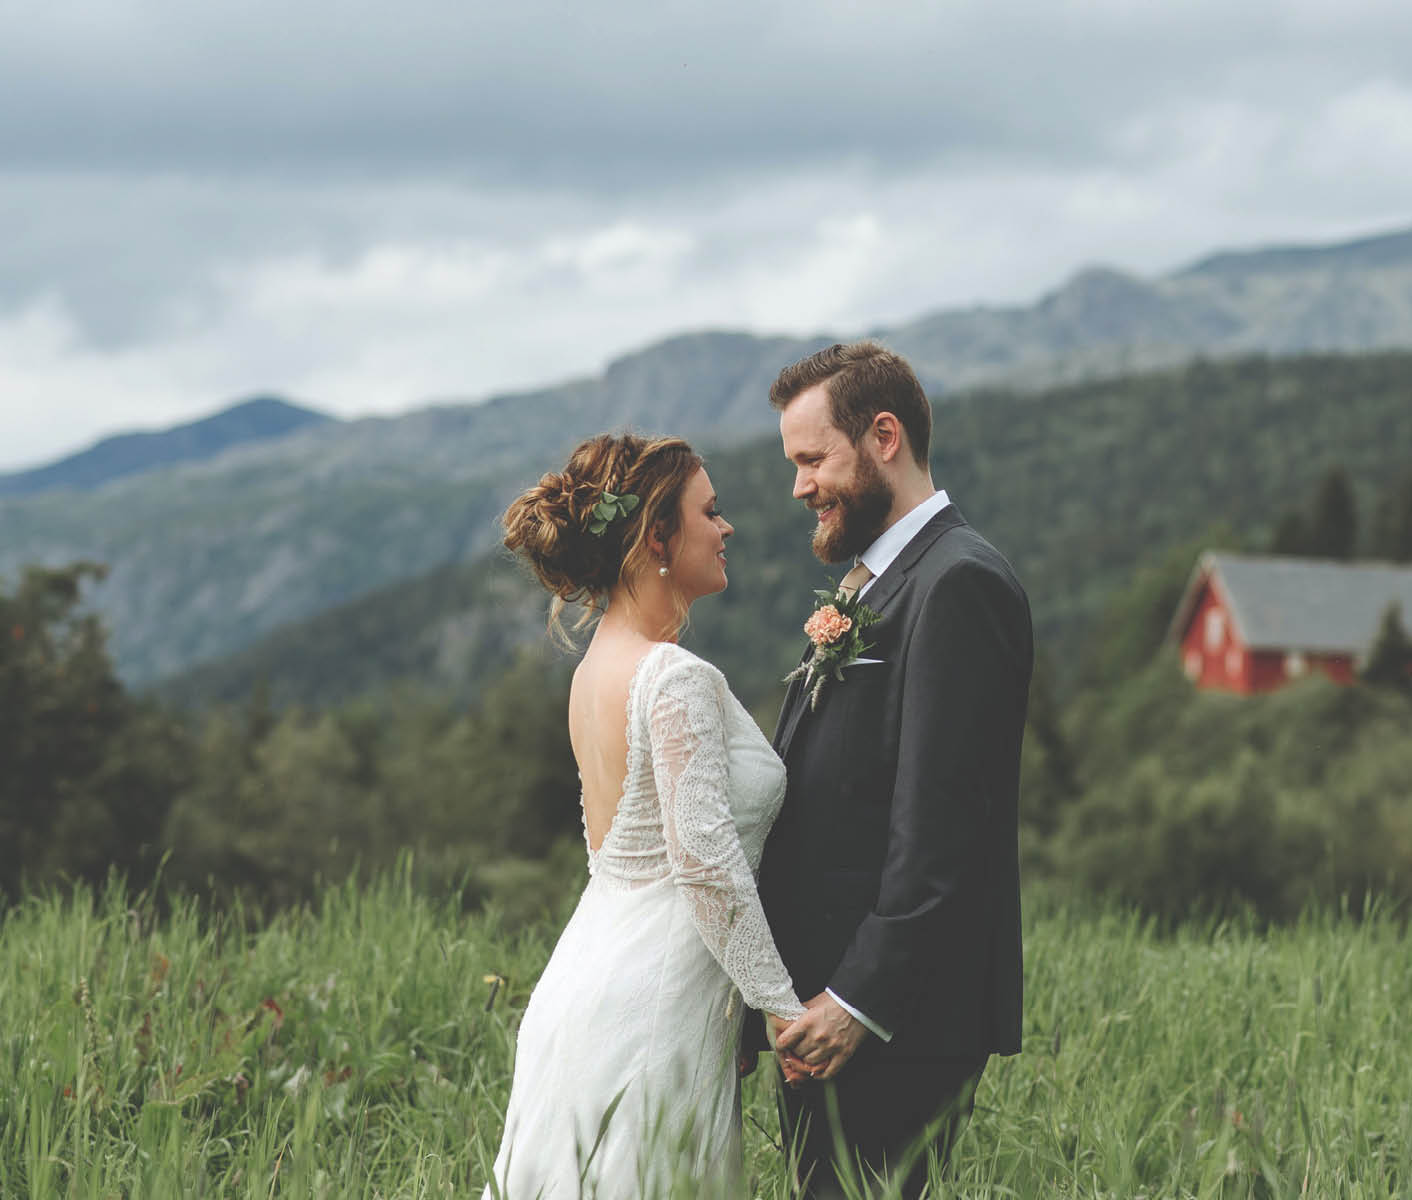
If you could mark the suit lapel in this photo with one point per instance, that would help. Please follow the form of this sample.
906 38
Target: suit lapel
796 701
790 710
885 587
895 576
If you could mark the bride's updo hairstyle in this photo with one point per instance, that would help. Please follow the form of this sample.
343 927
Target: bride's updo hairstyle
548 525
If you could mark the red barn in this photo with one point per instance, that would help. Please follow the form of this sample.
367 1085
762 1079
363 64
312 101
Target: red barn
1253 624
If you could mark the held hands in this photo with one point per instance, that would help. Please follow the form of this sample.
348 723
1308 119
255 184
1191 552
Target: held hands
794 1070
819 1044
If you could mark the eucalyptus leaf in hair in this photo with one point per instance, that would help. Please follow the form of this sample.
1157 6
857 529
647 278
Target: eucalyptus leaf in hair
611 508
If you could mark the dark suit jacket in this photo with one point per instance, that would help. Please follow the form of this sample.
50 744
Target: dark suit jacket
892 873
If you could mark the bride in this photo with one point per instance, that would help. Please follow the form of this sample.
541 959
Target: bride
625 1076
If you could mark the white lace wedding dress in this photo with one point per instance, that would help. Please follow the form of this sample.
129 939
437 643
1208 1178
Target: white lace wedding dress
637 1016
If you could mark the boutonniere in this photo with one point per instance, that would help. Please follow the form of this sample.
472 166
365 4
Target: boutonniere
835 627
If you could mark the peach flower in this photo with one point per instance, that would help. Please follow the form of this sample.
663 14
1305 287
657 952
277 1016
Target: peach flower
827 625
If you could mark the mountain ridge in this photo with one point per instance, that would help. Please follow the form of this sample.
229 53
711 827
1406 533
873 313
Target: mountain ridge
1374 250
209 555
1342 297
1061 481
256 419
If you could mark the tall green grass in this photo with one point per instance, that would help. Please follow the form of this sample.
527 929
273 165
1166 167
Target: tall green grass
352 1050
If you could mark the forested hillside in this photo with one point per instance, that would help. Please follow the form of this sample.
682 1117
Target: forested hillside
1077 485
209 556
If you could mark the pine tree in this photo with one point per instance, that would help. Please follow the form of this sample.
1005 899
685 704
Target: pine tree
1392 523
1333 525
88 772
1390 656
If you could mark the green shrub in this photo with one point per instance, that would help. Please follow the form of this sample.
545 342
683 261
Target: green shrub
1204 801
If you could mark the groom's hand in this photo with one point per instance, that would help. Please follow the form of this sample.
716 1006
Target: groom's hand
825 1037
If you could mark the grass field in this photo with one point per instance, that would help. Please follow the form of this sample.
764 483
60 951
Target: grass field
349 1051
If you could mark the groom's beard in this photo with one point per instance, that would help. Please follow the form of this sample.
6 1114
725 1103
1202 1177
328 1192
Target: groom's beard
860 517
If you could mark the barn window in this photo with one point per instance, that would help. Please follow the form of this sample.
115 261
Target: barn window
1215 629
1296 664
1191 662
1233 662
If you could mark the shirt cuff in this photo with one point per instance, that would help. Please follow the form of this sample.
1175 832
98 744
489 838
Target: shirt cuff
869 1024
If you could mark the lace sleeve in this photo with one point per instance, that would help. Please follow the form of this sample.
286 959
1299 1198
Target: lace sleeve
690 765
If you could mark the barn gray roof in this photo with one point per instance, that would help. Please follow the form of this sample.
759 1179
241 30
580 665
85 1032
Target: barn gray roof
1301 603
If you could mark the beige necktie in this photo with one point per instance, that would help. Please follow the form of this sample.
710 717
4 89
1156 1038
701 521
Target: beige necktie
857 576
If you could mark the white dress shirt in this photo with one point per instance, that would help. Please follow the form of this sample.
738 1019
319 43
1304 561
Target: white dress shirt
877 558
893 540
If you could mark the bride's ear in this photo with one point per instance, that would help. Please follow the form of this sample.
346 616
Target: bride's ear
656 543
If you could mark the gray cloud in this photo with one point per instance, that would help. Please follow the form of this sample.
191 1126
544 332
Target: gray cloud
370 204
133 253
608 96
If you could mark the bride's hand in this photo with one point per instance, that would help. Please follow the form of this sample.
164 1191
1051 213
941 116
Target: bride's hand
794 1069
774 1026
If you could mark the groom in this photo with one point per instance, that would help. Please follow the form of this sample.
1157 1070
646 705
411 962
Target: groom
891 878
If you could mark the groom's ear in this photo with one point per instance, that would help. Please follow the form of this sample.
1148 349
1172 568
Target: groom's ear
888 436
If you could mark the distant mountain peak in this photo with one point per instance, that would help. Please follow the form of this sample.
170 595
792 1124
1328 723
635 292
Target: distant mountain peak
1102 284
1379 250
258 418
269 403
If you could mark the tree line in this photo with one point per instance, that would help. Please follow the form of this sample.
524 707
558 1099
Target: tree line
1328 526
260 804
317 757
1135 785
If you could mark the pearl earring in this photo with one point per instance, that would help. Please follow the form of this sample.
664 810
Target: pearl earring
662 570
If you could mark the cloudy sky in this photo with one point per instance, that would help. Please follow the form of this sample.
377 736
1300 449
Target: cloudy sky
371 206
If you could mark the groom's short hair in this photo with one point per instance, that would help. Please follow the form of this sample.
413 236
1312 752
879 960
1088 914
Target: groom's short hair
863 380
